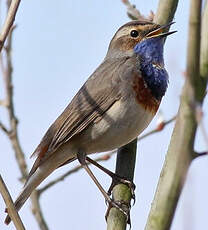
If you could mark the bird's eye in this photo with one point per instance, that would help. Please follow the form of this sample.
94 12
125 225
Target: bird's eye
134 33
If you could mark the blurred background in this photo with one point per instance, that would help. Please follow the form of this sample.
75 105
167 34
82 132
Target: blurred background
56 46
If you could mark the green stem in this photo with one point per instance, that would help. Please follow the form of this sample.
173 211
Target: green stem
125 164
180 151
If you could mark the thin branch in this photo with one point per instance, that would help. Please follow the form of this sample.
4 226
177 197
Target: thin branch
13 132
10 206
14 138
9 21
4 129
135 14
159 128
196 155
71 171
37 211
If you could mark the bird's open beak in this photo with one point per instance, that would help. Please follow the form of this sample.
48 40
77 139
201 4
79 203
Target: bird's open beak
160 32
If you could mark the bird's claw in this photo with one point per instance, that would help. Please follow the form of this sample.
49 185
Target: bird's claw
116 180
122 206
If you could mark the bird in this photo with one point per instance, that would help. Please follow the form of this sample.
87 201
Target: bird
115 104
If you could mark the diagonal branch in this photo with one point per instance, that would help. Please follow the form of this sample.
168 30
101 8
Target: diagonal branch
10 206
9 21
159 128
135 14
4 129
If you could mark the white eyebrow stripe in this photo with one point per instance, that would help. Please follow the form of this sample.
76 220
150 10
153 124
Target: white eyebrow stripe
123 32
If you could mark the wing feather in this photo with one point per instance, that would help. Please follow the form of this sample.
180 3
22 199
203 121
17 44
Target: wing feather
95 97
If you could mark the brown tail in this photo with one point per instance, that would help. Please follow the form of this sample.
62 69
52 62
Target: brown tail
18 204
30 185
37 177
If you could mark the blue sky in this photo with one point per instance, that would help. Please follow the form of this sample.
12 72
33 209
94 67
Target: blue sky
56 47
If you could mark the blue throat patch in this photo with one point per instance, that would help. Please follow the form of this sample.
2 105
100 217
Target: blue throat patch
150 54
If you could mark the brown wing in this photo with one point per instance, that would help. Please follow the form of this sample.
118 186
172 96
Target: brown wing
95 97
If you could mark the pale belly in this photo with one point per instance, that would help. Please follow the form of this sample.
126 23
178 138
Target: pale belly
123 122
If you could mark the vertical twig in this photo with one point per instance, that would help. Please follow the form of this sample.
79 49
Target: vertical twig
165 11
121 193
37 211
14 138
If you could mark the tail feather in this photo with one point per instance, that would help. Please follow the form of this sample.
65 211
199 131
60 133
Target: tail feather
33 181
38 176
21 199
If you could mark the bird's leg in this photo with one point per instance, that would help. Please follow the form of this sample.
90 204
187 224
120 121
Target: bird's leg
82 159
115 178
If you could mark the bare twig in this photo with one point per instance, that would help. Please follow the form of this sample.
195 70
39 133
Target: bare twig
12 132
159 128
10 206
14 138
135 14
4 129
37 211
196 155
9 21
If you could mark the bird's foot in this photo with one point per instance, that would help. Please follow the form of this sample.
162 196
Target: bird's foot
117 179
122 206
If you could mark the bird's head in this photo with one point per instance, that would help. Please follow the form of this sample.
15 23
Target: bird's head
138 37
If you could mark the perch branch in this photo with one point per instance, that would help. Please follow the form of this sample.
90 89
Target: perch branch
121 192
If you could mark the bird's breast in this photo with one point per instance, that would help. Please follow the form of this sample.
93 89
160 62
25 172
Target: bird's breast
122 123
144 95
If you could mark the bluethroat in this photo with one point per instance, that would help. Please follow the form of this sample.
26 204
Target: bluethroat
112 108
